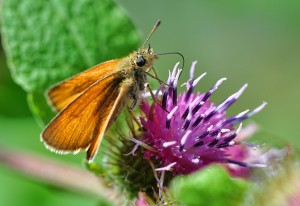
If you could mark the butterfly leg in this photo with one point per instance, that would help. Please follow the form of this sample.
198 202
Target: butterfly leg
154 71
155 101
133 102
134 118
155 76
151 93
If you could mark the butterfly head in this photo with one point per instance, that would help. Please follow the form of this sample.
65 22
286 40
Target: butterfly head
143 58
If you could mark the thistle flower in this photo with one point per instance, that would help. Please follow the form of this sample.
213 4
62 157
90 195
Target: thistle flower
188 131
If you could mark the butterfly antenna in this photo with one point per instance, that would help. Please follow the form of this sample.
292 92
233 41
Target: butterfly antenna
151 32
173 53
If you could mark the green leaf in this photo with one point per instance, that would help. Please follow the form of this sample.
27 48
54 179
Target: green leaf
48 41
211 186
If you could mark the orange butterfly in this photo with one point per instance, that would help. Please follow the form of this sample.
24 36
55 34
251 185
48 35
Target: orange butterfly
88 103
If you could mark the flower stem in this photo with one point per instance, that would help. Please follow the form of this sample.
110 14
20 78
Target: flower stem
60 175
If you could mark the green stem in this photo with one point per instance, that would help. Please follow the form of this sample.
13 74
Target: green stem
60 175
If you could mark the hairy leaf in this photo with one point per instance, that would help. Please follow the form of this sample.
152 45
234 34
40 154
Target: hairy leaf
48 41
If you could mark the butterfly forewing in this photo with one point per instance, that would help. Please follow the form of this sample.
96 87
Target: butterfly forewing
83 122
65 92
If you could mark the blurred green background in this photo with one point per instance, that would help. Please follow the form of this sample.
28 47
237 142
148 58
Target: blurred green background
251 41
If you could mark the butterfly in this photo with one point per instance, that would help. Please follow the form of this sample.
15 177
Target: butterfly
89 102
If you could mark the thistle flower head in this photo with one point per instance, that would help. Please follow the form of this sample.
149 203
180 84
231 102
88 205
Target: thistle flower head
188 131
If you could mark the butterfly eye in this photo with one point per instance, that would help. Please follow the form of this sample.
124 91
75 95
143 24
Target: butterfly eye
140 61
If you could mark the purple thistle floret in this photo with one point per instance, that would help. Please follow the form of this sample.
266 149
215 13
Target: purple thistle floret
188 131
